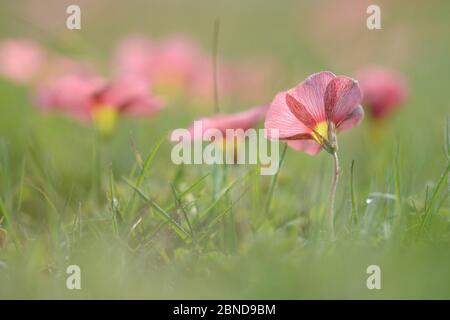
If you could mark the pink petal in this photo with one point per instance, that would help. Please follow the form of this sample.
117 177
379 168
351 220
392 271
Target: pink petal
130 94
341 97
352 120
144 106
309 146
243 120
123 90
310 93
279 117
300 112
73 94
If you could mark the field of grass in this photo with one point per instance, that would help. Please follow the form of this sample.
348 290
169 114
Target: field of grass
142 227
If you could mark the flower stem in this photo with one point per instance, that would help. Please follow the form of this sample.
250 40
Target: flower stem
334 183
214 62
274 181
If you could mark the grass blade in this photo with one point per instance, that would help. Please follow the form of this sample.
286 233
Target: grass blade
355 217
116 217
178 228
192 186
181 208
428 212
148 161
274 181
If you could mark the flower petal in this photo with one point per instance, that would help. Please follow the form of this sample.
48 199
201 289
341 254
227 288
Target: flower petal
124 90
242 120
300 112
72 94
342 96
352 120
144 106
279 117
311 147
310 93
300 136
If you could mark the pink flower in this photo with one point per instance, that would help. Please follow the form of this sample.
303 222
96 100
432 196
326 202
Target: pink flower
136 55
177 59
169 64
242 120
384 90
21 60
250 80
201 86
73 95
308 115
93 98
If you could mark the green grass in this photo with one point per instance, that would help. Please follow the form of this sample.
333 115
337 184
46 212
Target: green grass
142 227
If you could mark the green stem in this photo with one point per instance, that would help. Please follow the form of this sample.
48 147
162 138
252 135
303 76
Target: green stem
332 197
274 181
214 62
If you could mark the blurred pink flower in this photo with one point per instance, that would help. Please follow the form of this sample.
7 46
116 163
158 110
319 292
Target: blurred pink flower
251 80
177 65
136 55
201 86
168 64
307 115
242 120
245 81
71 94
384 90
21 59
177 59
81 96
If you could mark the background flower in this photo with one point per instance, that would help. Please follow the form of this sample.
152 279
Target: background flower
21 59
385 90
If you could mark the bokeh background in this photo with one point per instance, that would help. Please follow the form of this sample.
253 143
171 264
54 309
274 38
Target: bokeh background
49 162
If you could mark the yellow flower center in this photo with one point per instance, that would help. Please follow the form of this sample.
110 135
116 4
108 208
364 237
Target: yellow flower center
322 130
104 118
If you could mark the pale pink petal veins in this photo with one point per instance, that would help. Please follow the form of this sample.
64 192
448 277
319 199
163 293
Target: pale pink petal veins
300 112
352 120
311 92
342 96
280 118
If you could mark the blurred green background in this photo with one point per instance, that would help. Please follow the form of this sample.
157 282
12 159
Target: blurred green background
55 179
